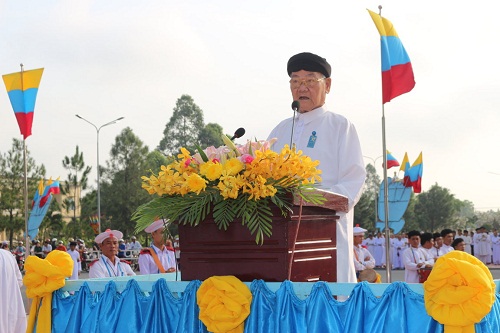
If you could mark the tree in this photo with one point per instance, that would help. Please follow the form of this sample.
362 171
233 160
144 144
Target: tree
75 165
435 209
12 202
184 127
211 135
121 183
365 211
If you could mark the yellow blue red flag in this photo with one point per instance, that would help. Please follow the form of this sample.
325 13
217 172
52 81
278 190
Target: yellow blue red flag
22 88
397 72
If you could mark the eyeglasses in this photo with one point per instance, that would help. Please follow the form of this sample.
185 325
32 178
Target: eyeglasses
308 83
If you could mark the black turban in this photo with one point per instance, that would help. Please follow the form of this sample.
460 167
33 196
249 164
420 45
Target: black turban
308 62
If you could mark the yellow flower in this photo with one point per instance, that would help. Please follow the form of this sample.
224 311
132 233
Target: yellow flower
211 170
196 183
233 166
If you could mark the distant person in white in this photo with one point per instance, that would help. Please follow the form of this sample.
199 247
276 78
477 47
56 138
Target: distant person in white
75 255
12 311
482 245
328 137
414 258
495 242
467 240
447 235
363 259
109 265
158 258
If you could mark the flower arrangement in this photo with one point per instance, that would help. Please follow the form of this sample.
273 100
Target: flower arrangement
231 182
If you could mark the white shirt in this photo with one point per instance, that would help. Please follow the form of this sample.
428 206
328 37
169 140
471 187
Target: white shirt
105 268
360 261
411 258
333 140
147 264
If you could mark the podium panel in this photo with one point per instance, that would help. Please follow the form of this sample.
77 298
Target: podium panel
207 251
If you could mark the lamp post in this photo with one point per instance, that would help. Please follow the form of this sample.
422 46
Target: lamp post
98 174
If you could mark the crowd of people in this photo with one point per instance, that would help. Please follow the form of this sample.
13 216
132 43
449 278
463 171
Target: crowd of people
416 252
129 253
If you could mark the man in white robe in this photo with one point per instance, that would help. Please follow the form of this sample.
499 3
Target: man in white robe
75 255
414 258
329 138
109 265
363 259
397 256
495 242
468 241
12 311
158 258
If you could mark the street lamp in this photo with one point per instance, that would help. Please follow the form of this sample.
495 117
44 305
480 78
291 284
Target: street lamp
98 174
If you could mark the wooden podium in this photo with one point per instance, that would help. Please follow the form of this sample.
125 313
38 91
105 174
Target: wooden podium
207 251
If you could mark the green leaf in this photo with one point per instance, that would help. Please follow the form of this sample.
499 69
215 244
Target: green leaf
204 156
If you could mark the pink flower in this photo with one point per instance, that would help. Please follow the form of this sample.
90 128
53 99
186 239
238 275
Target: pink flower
247 158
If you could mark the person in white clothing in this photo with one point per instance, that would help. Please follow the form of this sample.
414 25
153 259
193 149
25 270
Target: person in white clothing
363 259
370 243
75 255
414 258
495 243
482 245
158 258
109 265
397 254
467 240
448 237
12 312
427 243
328 137
379 252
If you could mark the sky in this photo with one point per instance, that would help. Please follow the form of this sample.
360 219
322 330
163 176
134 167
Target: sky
134 59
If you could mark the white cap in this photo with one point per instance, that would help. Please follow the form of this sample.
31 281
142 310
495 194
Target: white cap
107 234
358 231
158 224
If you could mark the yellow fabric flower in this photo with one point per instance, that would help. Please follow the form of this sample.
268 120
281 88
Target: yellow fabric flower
43 276
224 303
459 292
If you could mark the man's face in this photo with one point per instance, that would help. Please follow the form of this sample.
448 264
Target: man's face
448 239
358 240
429 244
311 97
460 246
157 236
438 242
109 247
414 241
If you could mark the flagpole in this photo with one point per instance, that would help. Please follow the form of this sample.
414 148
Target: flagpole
388 264
26 237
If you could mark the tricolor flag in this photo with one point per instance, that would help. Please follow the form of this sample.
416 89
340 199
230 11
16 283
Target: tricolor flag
413 174
391 161
22 88
397 73
40 205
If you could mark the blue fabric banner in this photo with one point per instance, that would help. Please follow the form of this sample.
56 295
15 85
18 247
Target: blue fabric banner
399 309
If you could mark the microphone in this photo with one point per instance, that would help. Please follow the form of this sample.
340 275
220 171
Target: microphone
238 134
295 108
